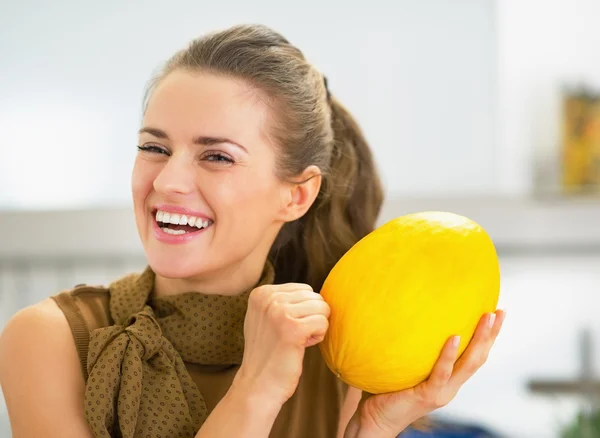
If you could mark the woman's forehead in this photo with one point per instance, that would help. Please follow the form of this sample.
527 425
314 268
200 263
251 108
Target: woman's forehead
190 102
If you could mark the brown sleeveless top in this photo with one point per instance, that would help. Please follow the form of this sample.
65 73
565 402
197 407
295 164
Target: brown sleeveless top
205 374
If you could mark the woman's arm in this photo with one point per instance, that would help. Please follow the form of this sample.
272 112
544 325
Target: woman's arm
281 322
241 411
40 375
349 407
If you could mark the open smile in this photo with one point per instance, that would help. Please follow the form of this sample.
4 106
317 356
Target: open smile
178 228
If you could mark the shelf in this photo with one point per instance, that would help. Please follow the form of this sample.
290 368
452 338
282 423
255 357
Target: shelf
516 225
521 224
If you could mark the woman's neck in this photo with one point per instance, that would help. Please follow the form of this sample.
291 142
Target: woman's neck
234 280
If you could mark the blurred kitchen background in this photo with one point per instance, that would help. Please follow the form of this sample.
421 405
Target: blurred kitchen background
480 107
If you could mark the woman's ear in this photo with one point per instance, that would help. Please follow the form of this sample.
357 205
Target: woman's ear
301 193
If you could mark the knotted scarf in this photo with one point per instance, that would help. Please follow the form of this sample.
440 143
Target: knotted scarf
138 385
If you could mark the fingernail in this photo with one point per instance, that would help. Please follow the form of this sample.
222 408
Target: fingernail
456 341
491 320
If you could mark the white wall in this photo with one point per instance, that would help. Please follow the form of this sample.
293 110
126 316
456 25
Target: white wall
543 45
456 97
419 76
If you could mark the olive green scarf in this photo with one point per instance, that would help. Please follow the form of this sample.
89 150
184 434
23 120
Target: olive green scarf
138 384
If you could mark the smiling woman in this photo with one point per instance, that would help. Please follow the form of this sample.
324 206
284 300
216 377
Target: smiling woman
204 152
250 182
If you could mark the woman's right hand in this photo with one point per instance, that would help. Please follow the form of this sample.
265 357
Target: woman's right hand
281 322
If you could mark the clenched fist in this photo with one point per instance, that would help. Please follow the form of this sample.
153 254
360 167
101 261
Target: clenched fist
281 322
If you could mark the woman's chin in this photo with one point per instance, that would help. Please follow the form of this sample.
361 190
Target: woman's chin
174 267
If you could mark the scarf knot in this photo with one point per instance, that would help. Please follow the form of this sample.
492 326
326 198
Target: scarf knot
144 331
129 365
138 383
142 335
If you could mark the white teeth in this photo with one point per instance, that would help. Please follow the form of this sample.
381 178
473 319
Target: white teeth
181 219
200 224
174 232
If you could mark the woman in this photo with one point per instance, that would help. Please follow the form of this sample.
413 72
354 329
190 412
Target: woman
250 183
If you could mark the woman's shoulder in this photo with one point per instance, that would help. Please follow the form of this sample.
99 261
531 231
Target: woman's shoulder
36 342
87 305
35 332
46 333
40 370
37 323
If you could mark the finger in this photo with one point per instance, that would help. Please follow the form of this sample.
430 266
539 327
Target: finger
442 370
290 287
297 296
314 328
308 308
479 347
269 293
314 341
500 316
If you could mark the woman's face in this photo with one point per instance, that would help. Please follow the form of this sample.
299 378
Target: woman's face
205 193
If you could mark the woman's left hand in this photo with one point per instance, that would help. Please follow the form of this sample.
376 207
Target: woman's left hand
386 415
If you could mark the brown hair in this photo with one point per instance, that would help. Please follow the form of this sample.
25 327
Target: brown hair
311 127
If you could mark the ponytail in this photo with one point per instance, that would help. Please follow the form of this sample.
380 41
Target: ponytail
345 210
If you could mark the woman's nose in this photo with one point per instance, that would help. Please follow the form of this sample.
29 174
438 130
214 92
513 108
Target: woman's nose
177 176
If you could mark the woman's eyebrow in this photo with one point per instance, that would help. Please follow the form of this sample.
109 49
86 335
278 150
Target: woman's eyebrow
200 140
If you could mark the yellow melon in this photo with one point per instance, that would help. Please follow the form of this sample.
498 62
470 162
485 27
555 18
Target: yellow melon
401 292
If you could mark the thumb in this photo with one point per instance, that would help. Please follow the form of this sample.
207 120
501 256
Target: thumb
314 340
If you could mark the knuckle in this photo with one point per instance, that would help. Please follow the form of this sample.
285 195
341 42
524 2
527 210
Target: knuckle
472 366
286 328
439 402
273 306
434 399
259 294
254 296
278 309
307 295
445 375
323 325
427 401
288 325
483 359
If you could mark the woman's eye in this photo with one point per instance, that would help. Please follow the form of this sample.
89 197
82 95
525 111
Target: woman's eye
218 158
152 149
